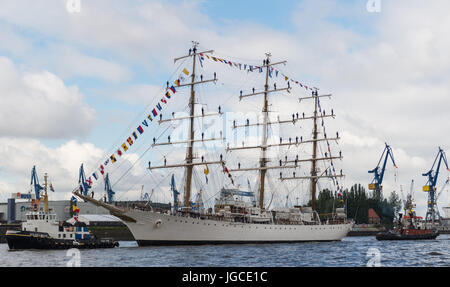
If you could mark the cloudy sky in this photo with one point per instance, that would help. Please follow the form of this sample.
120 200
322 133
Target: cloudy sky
77 79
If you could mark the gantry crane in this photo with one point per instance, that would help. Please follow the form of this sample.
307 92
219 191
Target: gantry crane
430 187
84 184
35 183
110 193
378 171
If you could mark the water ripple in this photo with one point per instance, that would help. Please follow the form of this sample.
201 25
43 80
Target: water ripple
351 251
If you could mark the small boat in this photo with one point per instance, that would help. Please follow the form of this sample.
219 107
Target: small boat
408 234
410 227
43 231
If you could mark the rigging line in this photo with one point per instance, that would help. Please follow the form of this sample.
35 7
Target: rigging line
132 186
128 170
122 162
283 74
99 162
276 69
234 57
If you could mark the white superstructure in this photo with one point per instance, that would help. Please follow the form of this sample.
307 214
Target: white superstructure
43 223
446 212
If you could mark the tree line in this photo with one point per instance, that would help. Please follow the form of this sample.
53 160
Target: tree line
357 203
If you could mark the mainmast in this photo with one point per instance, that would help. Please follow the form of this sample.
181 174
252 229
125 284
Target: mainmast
314 156
264 146
189 161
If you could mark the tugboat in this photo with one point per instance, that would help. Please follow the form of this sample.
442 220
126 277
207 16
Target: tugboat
42 230
410 227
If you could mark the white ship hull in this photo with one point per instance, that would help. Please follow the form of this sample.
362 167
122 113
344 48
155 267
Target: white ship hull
152 228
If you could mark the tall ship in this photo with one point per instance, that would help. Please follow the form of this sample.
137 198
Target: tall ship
241 215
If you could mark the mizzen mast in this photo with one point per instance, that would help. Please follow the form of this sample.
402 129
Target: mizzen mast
314 176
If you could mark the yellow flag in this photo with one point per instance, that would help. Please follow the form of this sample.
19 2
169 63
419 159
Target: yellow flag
185 71
124 146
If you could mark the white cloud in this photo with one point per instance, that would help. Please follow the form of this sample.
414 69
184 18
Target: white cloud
69 62
19 155
39 104
389 82
138 94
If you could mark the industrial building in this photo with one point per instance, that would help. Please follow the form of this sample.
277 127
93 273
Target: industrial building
15 211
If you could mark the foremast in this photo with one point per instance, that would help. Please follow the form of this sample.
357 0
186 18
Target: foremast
263 159
189 161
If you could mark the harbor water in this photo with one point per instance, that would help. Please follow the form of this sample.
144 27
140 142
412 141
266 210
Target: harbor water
351 251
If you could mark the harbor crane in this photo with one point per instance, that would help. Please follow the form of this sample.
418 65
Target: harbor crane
84 184
430 186
378 171
35 183
109 192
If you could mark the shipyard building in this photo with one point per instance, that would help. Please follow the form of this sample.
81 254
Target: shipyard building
15 210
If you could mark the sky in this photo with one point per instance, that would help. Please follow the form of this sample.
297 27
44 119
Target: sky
77 77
